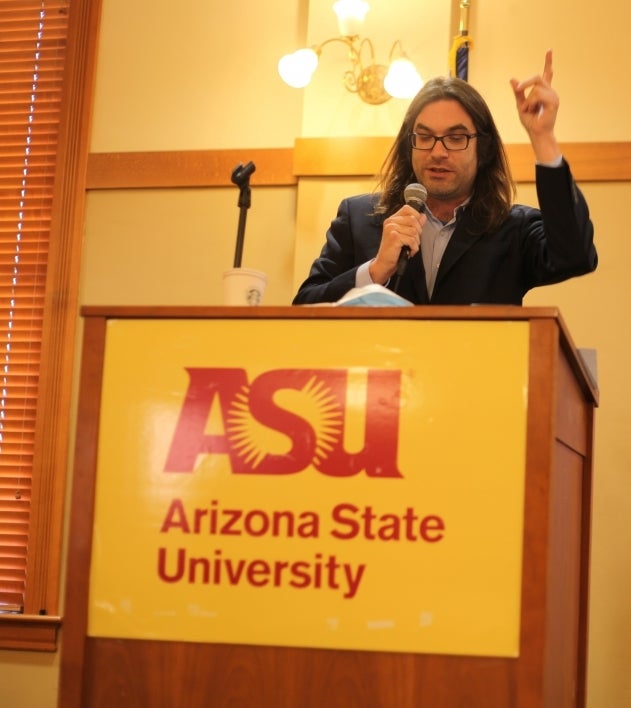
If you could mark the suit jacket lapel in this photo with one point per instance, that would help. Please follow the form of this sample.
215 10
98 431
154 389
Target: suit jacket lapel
460 242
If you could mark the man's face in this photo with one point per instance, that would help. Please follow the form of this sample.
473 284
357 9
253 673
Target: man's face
447 175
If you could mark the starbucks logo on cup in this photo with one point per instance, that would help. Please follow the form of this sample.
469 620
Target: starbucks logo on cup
253 296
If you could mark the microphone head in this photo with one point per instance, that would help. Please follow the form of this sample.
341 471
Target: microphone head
415 195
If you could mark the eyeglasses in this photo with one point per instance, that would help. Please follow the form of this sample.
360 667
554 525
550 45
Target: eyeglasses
451 142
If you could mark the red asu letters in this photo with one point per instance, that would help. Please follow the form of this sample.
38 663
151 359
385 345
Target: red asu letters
231 390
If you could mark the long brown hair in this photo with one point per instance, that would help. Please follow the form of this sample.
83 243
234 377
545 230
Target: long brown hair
493 189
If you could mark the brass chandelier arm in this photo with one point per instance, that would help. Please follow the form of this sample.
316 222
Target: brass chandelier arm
365 80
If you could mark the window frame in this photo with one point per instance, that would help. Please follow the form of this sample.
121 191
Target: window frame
37 628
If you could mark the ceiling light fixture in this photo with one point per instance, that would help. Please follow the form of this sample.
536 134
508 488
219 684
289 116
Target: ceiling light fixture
373 83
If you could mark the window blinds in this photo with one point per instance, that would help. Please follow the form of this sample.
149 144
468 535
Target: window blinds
32 53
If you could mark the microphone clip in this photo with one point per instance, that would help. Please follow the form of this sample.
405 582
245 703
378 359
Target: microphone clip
241 174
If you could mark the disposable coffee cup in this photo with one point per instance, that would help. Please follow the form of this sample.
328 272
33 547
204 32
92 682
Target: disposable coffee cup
243 286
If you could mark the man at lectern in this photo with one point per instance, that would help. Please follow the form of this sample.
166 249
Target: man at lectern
443 228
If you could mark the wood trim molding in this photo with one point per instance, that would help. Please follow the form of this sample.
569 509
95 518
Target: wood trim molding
319 157
32 632
591 162
340 157
188 168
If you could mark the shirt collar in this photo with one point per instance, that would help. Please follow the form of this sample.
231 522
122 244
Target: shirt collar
457 213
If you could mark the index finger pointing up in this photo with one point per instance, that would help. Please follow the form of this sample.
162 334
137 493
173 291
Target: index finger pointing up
547 67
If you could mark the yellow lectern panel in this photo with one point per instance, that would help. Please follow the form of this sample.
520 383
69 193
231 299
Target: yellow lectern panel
347 484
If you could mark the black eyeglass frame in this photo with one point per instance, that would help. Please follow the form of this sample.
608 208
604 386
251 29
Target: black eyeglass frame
441 138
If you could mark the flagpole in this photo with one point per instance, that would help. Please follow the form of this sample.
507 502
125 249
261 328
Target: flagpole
459 53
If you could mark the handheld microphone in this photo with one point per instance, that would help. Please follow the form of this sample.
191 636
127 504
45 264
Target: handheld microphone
415 195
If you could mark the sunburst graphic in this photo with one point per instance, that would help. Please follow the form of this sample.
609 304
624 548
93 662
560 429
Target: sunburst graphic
315 403
323 411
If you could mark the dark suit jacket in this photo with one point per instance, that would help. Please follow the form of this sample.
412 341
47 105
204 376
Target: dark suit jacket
533 247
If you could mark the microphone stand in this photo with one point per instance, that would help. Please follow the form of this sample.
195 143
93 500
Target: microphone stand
241 177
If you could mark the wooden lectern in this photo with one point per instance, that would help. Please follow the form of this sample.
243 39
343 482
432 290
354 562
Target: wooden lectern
549 670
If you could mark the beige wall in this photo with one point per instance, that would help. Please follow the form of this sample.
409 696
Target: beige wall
201 74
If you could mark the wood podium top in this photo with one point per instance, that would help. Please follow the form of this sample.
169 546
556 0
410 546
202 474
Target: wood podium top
415 312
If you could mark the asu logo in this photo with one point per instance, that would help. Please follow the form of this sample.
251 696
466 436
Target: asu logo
307 408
